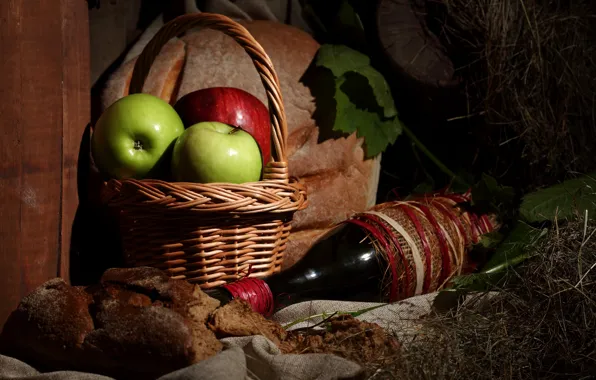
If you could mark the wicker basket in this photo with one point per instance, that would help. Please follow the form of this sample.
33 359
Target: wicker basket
214 233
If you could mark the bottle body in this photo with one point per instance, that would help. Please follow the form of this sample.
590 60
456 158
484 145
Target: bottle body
344 264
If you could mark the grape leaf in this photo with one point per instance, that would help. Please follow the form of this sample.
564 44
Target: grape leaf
379 125
377 133
380 88
423 188
488 197
340 59
491 239
475 282
347 16
488 190
560 201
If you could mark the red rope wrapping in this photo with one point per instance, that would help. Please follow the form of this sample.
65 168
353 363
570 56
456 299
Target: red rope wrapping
474 227
406 264
254 291
427 253
487 223
446 260
390 256
454 218
379 236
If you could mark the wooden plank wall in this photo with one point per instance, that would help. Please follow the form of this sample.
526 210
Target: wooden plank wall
44 107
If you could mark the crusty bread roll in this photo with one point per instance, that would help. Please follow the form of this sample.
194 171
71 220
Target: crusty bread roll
339 180
136 323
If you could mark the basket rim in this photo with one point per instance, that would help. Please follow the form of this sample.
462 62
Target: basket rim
254 198
277 192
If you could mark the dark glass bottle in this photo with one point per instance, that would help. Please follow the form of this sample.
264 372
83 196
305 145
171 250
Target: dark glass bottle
342 265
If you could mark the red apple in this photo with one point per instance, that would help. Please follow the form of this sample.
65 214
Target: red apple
231 106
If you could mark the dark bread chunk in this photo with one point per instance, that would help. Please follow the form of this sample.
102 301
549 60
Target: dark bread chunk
181 296
205 343
148 339
135 324
238 319
146 280
202 306
51 322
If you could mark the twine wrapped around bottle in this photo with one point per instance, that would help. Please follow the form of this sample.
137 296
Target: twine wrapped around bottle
424 240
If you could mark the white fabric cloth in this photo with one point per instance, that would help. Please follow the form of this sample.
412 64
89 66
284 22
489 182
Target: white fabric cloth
256 357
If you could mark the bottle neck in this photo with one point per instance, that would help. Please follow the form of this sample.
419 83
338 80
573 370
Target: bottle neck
255 291
342 265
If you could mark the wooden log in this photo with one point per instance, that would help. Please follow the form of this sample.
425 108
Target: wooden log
417 62
44 107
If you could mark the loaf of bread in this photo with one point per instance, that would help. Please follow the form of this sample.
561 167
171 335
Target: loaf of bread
135 324
338 179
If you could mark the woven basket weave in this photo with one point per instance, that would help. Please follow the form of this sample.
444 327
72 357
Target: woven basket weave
212 233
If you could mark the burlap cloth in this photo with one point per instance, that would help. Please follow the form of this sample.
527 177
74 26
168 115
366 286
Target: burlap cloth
256 357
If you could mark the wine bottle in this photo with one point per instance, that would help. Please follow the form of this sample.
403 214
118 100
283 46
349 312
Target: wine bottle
343 265
392 251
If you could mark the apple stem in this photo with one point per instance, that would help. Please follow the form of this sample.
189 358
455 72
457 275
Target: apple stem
236 129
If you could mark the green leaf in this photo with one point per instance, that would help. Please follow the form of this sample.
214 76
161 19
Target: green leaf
373 117
462 181
424 187
340 59
560 201
488 189
488 193
511 251
514 248
377 133
334 20
380 89
491 239
475 282
347 17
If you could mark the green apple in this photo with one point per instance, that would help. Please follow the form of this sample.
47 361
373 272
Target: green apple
133 137
216 152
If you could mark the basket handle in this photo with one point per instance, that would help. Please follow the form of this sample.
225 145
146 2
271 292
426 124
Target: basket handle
277 168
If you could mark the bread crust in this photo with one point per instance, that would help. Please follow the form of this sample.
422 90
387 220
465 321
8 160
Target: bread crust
136 323
162 79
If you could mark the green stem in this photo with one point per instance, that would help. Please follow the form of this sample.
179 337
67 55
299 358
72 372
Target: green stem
354 314
507 264
433 158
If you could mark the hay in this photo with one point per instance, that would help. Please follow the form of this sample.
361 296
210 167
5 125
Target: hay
541 325
530 71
